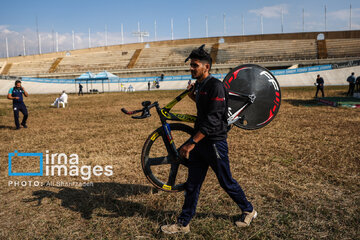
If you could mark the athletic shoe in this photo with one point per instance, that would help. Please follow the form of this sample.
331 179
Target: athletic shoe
246 218
24 125
175 228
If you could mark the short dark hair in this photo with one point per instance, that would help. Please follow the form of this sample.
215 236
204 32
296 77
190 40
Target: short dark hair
201 55
17 81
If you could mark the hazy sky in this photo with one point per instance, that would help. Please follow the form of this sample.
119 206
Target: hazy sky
18 20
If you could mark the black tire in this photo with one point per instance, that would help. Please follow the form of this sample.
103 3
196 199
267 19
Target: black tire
253 79
168 174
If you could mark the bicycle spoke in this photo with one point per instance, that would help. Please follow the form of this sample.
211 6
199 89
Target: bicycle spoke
173 173
158 161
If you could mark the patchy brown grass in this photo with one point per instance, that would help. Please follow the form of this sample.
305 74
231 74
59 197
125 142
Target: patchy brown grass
301 173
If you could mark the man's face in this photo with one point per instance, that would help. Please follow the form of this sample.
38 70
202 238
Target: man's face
18 85
198 69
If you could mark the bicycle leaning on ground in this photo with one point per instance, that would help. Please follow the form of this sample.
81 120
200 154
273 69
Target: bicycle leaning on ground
254 100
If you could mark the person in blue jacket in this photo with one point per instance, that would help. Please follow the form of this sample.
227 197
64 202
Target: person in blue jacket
319 85
16 94
351 80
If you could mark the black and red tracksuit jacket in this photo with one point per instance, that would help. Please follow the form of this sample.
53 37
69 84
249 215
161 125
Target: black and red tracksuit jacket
212 107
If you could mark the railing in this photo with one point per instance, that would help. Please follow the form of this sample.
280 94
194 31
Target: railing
169 78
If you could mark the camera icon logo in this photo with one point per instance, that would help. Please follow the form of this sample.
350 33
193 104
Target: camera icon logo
17 154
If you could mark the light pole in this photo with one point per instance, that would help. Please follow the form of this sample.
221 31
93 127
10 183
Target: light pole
350 18
122 34
73 39
155 33
243 25
106 37
57 42
24 45
89 39
303 20
7 48
224 21
206 27
189 30
172 29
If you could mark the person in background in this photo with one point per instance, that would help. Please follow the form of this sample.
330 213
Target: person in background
351 80
80 89
357 84
63 99
16 95
319 85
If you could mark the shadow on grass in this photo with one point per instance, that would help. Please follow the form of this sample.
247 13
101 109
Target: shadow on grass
304 102
6 127
105 196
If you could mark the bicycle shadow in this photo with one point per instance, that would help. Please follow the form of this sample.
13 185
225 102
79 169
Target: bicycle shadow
304 102
105 196
101 195
6 127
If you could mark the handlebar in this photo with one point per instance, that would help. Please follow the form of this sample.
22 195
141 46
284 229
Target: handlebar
145 112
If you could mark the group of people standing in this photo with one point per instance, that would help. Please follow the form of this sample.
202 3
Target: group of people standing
354 85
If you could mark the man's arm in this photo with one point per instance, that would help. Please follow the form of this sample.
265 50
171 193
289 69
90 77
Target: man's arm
11 97
187 148
25 92
191 93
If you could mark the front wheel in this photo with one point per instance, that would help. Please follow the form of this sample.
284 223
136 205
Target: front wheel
162 167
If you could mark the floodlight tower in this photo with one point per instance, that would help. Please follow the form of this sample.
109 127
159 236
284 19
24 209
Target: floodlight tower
140 34
206 27
24 45
7 48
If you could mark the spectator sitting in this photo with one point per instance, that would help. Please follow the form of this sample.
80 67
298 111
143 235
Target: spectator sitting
63 99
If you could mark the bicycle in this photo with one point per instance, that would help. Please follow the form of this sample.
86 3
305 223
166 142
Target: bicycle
254 100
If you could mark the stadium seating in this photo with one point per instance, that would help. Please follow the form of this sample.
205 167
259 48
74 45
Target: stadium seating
33 67
166 55
264 51
95 61
153 58
343 47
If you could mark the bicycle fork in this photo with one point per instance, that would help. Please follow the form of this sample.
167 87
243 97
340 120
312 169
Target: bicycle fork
173 154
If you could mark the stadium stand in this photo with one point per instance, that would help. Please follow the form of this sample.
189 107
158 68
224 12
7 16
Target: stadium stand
343 47
165 56
31 67
274 51
266 51
95 61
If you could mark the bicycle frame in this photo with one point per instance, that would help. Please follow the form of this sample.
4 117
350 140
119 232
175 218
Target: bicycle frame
165 115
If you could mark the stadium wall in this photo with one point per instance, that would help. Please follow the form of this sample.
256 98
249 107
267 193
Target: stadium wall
331 77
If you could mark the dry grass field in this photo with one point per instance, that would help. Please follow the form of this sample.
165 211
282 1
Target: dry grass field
301 172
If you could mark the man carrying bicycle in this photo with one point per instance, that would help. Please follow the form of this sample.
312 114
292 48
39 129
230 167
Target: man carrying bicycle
208 147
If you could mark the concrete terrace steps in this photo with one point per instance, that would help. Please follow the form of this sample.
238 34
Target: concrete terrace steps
55 64
6 68
270 49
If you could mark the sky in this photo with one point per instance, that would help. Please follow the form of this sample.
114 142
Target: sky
65 25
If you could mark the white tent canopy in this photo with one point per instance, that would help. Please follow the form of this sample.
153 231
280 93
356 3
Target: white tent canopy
86 75
106 75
